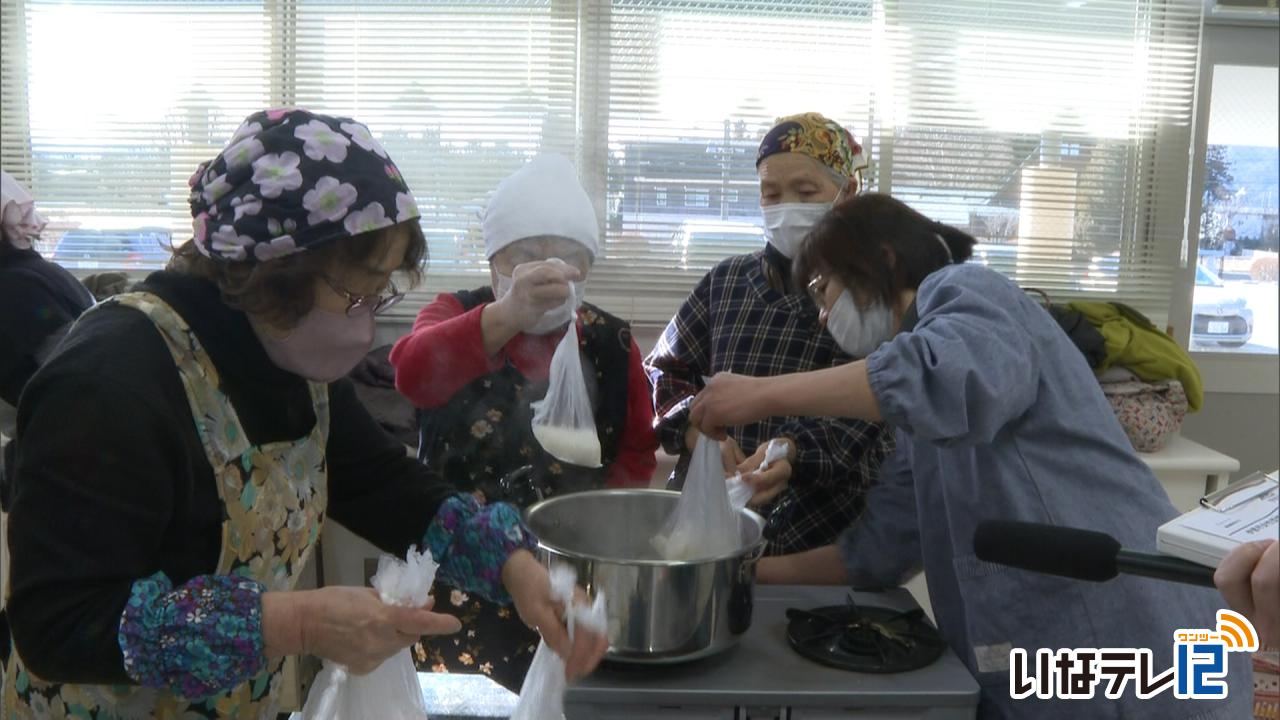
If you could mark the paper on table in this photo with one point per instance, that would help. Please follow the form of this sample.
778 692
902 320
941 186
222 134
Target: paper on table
1245 511
1253 516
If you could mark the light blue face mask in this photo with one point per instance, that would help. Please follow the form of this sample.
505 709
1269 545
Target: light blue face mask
857 331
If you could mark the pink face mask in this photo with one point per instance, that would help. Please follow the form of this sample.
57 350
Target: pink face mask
324 346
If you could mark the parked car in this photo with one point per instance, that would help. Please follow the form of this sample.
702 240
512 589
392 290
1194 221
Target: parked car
715 238
1218 314
113 249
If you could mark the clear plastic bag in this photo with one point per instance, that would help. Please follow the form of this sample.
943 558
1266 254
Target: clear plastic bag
776 450
563 422
740 492
542 694
704 523
390 692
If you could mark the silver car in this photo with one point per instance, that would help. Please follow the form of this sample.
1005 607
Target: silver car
1218 314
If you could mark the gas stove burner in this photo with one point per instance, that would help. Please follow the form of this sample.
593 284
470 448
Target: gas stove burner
864 638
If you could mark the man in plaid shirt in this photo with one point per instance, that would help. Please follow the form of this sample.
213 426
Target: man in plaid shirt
746 317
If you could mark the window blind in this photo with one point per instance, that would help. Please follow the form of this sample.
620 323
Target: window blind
1056 132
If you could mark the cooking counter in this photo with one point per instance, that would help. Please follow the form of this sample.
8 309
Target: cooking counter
761 678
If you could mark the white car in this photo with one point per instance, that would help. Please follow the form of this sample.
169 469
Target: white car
719 238
1218 314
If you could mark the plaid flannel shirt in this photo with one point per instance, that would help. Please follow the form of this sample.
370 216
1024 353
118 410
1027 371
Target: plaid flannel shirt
735 321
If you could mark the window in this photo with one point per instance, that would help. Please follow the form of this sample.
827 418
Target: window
697 198
107 133
1234 302
1262 5
1055 132
461 95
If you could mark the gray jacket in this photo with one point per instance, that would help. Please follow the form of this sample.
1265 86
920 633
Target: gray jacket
998 416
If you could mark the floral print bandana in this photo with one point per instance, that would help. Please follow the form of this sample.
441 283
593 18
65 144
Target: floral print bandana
20 224
818 137
290 179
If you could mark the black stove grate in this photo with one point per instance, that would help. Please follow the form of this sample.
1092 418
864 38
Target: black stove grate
864 638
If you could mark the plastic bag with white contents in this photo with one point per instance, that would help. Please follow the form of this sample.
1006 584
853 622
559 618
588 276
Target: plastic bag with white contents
563 421
390 692
704 524
740 491
542 694
776 450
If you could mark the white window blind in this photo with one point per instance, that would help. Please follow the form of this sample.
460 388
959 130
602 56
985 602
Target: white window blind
109 107
1056 131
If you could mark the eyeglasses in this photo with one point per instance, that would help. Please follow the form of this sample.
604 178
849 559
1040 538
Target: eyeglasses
358 303
817 288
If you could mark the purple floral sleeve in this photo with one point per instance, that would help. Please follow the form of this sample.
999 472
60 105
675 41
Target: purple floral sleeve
472 542
198 639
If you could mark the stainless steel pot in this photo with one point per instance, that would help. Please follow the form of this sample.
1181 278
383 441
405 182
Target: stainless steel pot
660 611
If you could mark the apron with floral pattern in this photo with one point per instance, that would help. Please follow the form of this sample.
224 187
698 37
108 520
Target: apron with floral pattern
273 498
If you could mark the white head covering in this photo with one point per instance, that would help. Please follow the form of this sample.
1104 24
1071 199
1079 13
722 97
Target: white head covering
542 198
20 224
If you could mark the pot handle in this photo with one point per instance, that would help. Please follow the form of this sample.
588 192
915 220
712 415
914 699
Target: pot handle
750 559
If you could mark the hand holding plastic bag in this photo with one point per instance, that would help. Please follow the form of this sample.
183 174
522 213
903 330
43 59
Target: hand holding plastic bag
741 491
391 692
563 421
776 450
704 523
542 694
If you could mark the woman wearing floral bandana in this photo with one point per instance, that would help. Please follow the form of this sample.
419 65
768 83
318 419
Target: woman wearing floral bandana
180 450
746 316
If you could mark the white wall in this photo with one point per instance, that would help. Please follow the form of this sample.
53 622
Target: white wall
1244 426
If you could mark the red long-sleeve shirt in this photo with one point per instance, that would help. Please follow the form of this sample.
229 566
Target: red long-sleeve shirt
445 352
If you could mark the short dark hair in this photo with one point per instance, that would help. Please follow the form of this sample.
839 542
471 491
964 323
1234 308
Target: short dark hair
880 246
283 290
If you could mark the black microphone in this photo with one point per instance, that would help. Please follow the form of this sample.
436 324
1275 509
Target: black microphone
1077 554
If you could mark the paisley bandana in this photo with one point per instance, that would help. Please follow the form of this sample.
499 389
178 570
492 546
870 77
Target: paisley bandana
814 135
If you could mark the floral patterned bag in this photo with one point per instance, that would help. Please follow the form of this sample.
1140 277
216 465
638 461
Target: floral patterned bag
1150 413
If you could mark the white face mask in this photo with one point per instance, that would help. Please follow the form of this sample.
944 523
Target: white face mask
859 332
553 319
786 225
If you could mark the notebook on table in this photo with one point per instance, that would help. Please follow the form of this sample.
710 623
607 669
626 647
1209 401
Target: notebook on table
1245 511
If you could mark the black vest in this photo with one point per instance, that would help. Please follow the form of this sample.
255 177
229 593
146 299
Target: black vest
484 432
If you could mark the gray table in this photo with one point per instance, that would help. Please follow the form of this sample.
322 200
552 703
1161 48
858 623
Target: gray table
760 679
764 678
461 697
